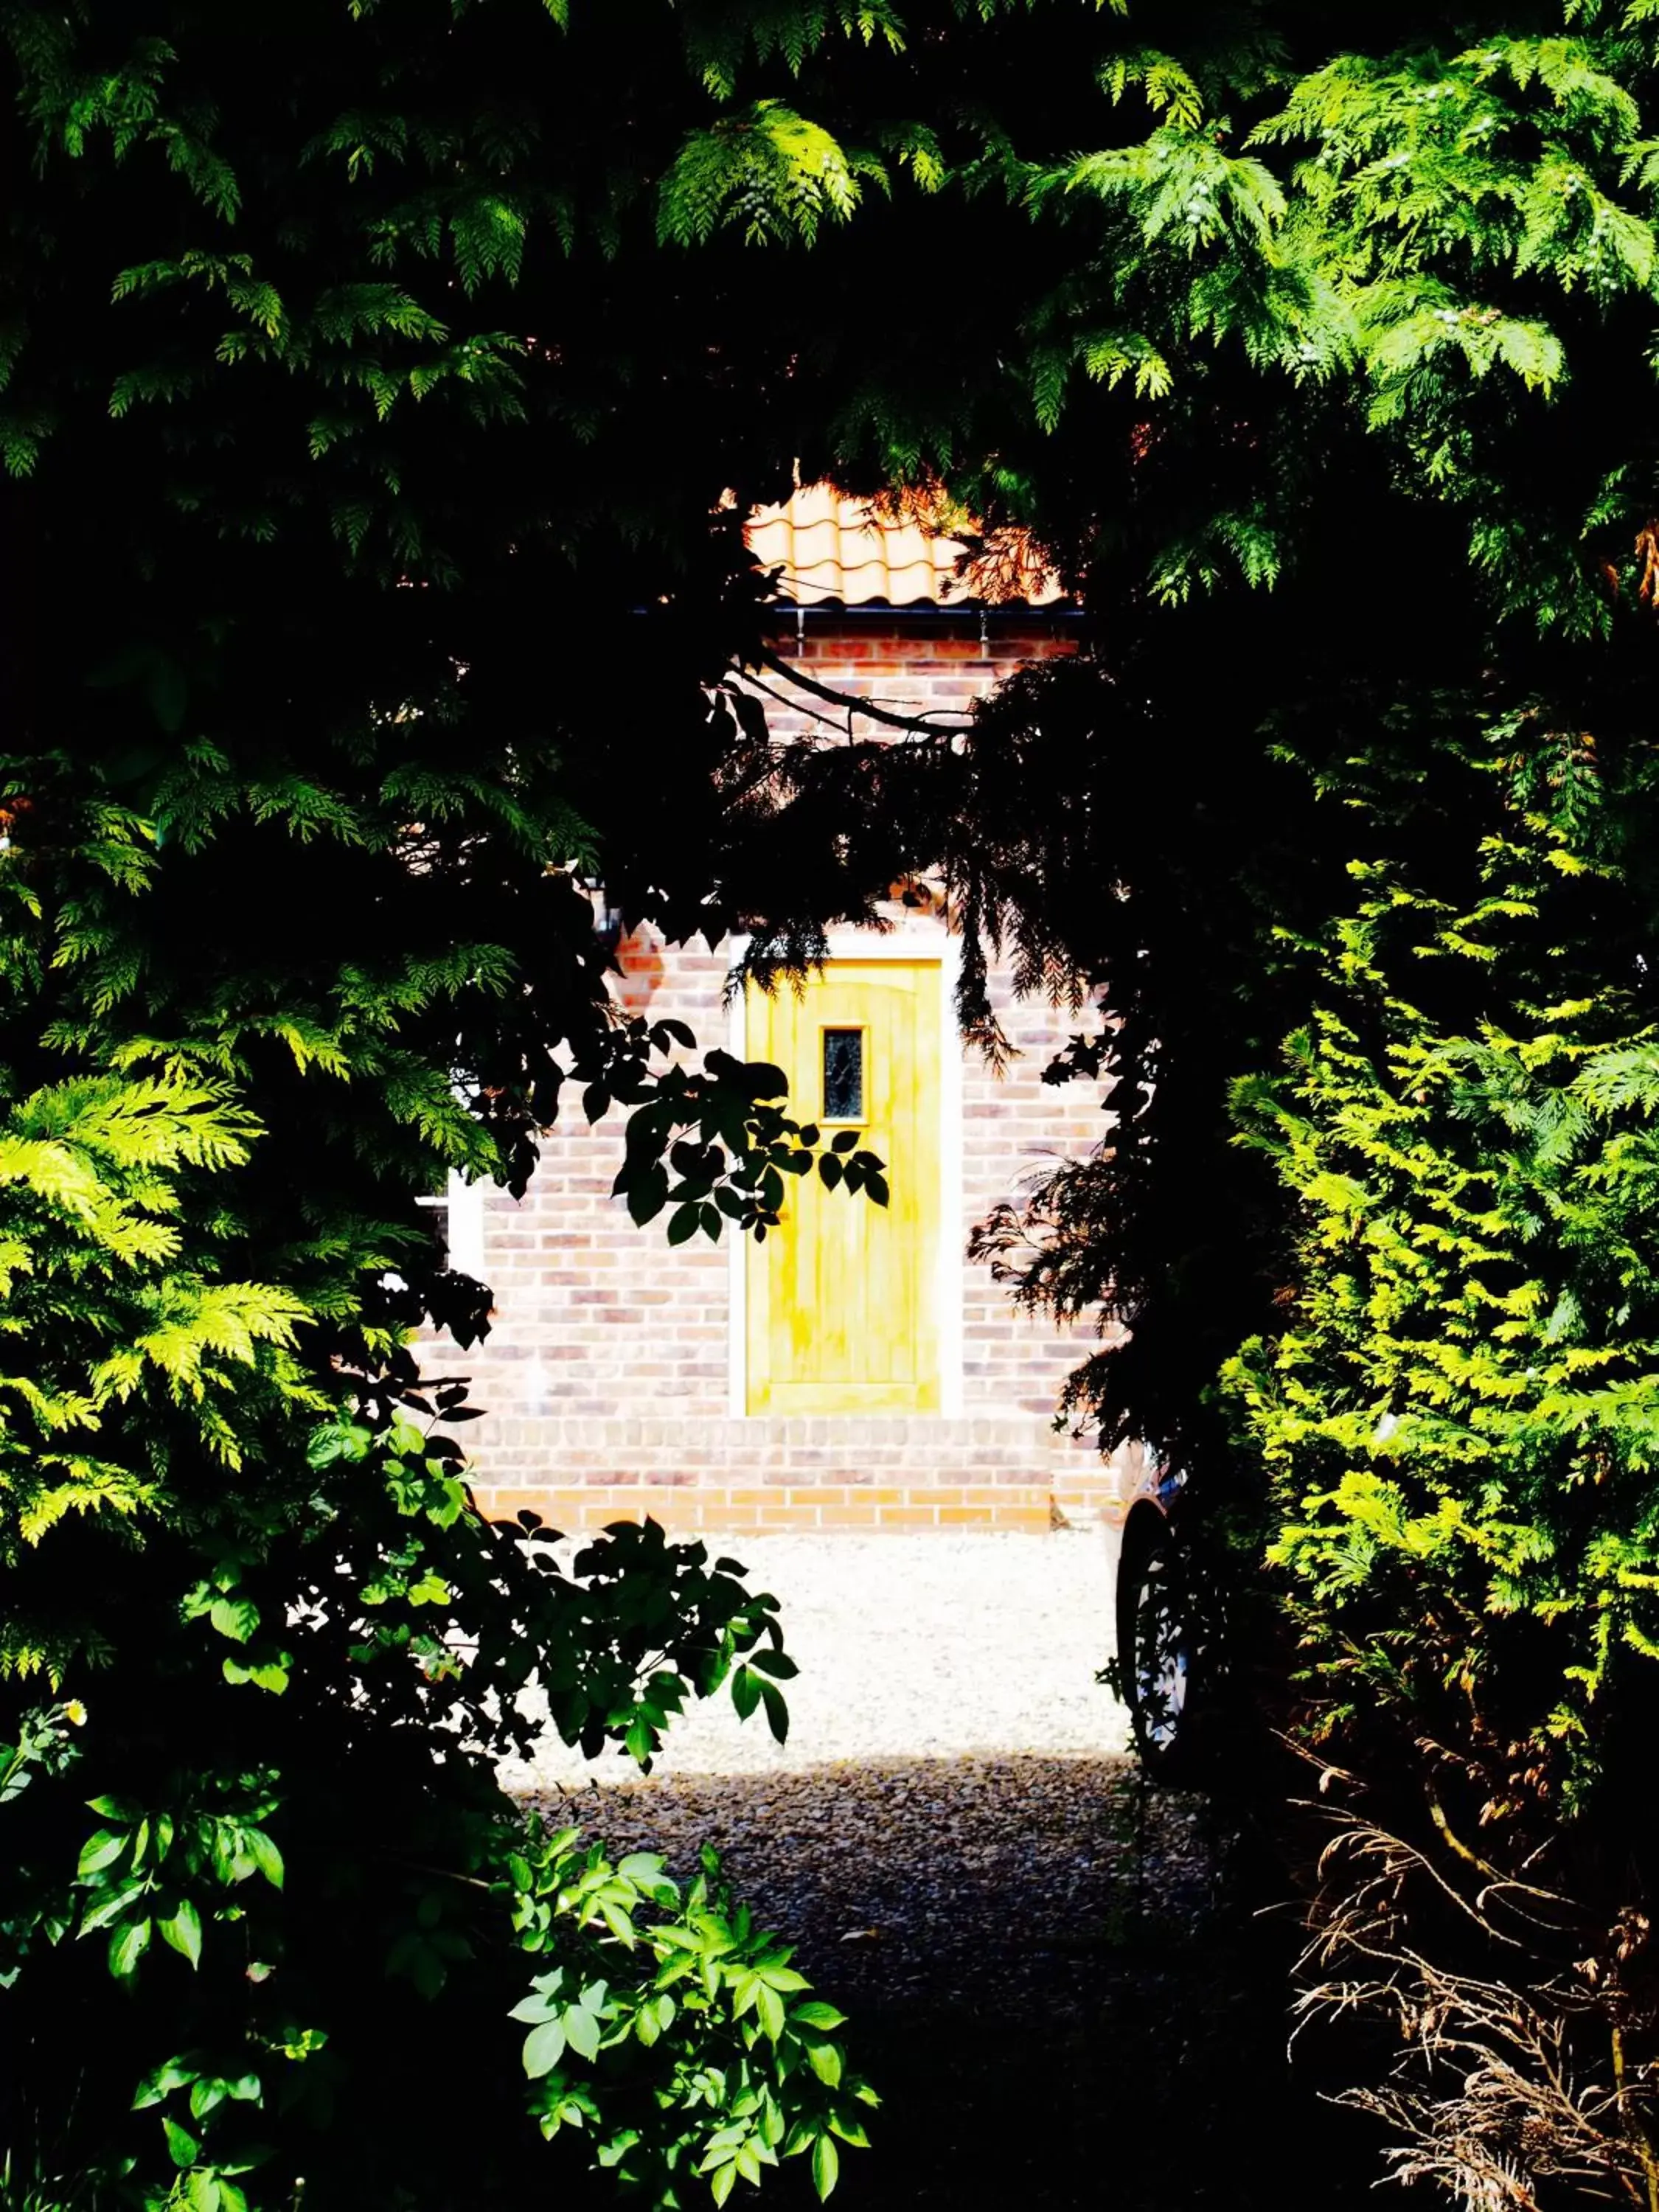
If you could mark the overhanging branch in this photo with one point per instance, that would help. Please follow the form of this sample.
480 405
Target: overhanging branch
918 724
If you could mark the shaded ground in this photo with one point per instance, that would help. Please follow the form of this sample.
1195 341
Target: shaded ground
1060 2008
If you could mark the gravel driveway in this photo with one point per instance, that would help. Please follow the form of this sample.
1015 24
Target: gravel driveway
910 1647
1041 1979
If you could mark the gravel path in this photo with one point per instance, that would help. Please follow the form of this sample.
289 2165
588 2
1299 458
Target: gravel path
954 1816
1025 1937
910 1648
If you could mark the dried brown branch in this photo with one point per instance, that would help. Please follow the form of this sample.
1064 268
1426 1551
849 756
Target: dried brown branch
1510 2096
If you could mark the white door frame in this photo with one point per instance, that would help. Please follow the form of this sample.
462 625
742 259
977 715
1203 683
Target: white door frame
943 950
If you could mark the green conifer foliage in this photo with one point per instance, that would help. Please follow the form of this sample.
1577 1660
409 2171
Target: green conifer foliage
350 614
1343 417
370 387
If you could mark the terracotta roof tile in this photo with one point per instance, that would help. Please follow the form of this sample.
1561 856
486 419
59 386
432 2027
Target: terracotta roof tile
830 549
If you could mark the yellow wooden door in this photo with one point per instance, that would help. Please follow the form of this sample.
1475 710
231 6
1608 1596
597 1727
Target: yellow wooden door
841 1313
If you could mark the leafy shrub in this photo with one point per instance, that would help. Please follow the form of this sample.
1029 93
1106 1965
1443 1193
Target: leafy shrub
236 1542
296 1797
1459 1419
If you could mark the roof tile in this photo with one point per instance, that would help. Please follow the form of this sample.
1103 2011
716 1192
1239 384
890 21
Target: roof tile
832 551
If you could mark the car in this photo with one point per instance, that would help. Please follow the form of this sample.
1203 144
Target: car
1155 1668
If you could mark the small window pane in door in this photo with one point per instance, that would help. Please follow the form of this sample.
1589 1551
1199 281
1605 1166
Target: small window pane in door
843 1075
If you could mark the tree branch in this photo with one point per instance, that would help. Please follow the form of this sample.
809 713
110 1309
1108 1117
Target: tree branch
918 724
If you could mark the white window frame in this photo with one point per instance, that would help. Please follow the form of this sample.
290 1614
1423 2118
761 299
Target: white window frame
463 1226
466 1226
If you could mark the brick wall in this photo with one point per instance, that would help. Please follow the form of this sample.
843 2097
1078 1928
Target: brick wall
910 661
607 1376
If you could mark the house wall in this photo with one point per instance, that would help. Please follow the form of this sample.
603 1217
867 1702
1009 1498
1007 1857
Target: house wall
611 1379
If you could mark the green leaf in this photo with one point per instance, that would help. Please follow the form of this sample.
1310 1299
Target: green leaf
814 2013
583 2031
126 1946
204 2191
826 2166
100 1850
111 1906
234 1617
825 2061
172 2074
763 1079
543 2047
180 2142
183 1931
745 1692
647 1197
336 1440
265 1855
